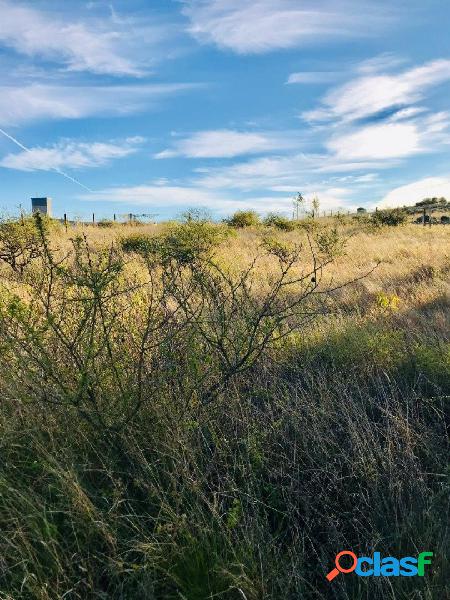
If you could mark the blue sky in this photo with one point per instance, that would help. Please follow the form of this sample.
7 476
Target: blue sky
156 106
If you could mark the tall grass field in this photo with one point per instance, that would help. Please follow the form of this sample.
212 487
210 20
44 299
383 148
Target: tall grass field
203 411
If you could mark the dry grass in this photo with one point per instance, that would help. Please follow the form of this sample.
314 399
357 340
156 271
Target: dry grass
335 438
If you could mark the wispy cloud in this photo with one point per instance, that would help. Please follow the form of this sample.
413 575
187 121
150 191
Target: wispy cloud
69 154
391 139
224 143
158 195
105 46
257 26
386 61
22 104
282 173
256 174
311 77
220 203
373 94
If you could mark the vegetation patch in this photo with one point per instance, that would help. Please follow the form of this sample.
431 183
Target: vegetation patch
189 412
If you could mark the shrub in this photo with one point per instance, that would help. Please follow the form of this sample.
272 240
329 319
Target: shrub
106 223
279 222
388 301
309 224
20 242
189 241
183 242
390 217
139 243
329 242
104 341
244 218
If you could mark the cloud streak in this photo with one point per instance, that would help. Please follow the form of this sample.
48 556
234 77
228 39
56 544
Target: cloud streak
59 171
371 95
224 143
222 203
69 155
37 101
312 77
258 26
390 140
109 45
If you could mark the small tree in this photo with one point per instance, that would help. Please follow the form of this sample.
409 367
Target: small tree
20 243
279 222
299 203
427 202
244 218
391 217
184 242
315 204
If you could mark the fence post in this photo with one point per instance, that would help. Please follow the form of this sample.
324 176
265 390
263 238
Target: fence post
65 221
93 218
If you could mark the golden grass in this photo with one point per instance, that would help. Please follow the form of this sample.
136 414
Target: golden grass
405 254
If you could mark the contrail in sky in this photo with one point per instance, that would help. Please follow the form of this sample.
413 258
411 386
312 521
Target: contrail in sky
69 177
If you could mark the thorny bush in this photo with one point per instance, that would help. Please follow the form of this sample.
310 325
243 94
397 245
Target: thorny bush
85 330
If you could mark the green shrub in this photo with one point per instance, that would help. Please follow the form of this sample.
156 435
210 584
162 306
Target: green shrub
309 225
279 222
329 242
433 362
139 243
106 223
244 218
391 217
20 241
183 242
364 347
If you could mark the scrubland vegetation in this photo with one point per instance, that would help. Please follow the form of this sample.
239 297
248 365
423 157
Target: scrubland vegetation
202 411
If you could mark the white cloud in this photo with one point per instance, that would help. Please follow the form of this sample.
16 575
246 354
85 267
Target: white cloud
164 198
259 173
69 154
280 173
407 113
383 62
307 77
374 94
430 187
374 121
391 140
223 143
368 178
98 46
21 104
385 141
169 197
155 195
256 26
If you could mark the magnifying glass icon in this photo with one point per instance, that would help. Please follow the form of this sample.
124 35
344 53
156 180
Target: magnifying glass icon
339 569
